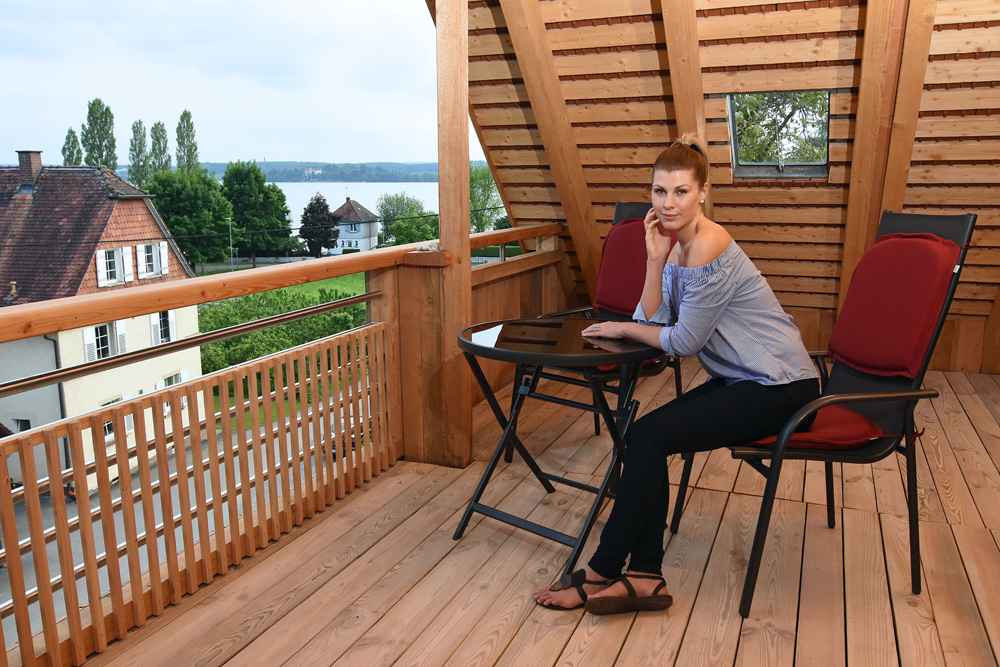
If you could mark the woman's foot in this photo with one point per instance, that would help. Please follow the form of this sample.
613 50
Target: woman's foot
572 596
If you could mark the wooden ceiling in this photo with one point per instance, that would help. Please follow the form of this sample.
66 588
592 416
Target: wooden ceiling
573 99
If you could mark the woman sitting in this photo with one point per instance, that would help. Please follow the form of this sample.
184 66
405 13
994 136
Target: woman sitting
705 298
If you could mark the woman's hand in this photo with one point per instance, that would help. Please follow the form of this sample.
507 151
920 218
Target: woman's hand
657 238
605 330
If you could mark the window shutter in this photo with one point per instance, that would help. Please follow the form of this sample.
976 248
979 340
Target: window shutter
120 335
102 273
127 263
154 328
164 258
89 344
129 419
160 384
172 324
140 258
184 378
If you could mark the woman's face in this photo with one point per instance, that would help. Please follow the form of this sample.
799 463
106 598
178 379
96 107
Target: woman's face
676 198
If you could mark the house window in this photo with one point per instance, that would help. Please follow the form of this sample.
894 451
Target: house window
109 426
104 340
169 381
163 327
114 266
780 134
152 259
353 227
22 425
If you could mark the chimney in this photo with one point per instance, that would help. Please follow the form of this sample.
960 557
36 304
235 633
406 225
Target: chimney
30 163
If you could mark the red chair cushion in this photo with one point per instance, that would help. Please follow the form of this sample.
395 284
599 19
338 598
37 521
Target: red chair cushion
893 304
623 268
835 427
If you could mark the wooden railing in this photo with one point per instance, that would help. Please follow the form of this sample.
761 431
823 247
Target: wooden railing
267 445
163 492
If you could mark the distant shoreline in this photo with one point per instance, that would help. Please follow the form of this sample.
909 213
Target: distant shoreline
334 172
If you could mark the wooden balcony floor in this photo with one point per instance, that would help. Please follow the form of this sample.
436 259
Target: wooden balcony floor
378 580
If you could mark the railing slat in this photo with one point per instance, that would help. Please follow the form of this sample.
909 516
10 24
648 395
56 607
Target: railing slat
148 510
215 478
195 426
15 570
166 499
183 492
128 517
276 523
254 443
235 534
243 456
60 517
87 541
119 622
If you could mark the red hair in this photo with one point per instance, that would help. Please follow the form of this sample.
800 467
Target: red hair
685 154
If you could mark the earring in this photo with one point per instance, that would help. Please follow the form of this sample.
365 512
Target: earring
702 201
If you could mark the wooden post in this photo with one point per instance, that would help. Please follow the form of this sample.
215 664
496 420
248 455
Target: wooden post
686 88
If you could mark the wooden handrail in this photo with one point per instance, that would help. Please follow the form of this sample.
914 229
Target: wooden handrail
498 236
45 317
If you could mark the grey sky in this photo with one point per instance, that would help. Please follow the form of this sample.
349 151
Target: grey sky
322 80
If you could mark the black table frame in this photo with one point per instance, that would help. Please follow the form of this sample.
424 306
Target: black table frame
526 378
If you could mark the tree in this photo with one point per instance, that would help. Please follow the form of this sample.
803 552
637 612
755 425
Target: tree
319 226
98 136
195 212
782 128
138 156
187 146
71 151
404 219
159 154
487 206
259 210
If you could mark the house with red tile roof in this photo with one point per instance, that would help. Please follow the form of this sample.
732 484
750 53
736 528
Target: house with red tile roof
358 228
69 231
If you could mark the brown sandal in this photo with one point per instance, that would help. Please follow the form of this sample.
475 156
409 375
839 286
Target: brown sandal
576 580
634 602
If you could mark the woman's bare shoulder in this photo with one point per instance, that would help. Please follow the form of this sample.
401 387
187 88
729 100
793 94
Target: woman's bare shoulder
712 241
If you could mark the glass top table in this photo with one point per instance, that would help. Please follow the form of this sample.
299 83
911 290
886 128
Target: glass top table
557 344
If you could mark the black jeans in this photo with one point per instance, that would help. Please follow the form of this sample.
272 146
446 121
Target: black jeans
707 417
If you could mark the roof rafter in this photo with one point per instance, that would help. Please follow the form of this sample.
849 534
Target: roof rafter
527 32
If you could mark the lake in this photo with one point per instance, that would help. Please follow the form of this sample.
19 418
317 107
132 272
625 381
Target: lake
297 195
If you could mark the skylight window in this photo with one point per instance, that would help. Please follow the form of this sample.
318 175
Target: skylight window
780 134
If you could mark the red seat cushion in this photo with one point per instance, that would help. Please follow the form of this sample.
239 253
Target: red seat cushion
835 427
893 304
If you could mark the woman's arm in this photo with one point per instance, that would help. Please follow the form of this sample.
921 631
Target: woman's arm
657 249
643 333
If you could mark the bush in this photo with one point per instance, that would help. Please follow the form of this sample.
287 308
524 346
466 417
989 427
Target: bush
241 349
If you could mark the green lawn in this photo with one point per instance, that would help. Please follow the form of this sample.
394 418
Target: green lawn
352 284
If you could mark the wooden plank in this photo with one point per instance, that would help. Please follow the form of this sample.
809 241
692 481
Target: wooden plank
236 541
111 565
527 31
967 40
981 559
961 71
820 635
949 150
15 571
880 70
866 592
153 573
916 632
960 99
966 11
956 614
714 626
978 468
128 520
919 24
64 546
952 491
215 481
687 553
936 127
767 634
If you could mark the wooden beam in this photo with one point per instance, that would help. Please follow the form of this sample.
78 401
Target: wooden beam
681 32
880 66
991 340
534 57
909 95
447 432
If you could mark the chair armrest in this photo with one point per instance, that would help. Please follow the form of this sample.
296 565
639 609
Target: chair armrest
587 311
909 395
819 358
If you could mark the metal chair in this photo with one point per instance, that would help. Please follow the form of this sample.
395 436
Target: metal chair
881 345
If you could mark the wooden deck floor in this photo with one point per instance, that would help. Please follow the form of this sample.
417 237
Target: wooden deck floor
377 579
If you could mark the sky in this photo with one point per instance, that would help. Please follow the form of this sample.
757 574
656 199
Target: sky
301 80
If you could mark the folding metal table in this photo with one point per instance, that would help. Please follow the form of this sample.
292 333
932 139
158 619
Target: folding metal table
535 345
